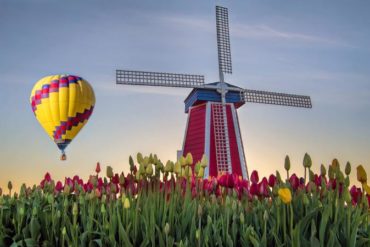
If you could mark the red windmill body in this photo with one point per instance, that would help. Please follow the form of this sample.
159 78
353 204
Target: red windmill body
213 127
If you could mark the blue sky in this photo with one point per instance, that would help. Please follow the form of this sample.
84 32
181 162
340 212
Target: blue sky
318 48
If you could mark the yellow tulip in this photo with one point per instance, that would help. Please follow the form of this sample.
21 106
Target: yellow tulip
285 195
204 161
189 159
177 168
361 174
126 203
182 161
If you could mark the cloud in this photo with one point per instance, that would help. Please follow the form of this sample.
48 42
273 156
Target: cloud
260 31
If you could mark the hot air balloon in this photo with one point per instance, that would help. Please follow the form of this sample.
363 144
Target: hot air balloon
62 104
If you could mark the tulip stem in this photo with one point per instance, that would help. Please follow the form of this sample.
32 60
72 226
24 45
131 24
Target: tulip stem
284 223
305 175
291 220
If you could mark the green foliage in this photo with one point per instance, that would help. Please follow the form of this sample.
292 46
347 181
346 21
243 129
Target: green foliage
180 217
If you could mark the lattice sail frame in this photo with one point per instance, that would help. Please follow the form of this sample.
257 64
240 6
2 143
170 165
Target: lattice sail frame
223 40
133 77
256 96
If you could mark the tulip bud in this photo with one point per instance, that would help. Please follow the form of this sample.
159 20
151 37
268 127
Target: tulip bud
21 211
287 163
97 168
197 167
361 174
307 162
75 209
265 215
201 173
323 170
102 208
182 161
335 164
64 231
155 159
241 217
139 158
167 229
146 162
197 234
189 159
10 187
126 203
131 162
204 161
149 170
151 159
177 168
109 172
347 170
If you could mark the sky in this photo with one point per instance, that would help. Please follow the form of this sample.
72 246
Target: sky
317 48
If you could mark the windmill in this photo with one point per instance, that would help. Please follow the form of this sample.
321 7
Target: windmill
213 126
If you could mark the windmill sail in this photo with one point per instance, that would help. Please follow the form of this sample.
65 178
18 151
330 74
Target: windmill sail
132 77
223 40
273 98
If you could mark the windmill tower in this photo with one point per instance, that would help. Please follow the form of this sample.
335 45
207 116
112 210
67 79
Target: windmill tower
213 127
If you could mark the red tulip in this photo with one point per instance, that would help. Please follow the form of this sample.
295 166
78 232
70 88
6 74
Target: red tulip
272 180
115 179
294 181
59 186
262 188
97 168
355 194
254 189
47 177
254 177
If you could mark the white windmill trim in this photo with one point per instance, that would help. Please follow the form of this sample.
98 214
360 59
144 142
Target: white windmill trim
186 131
240 143
207 135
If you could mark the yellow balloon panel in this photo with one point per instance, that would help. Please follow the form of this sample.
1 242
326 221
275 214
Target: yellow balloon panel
62 104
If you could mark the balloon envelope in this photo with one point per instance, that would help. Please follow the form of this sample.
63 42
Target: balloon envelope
62 104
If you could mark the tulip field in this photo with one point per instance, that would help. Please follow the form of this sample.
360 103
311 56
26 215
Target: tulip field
171 204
